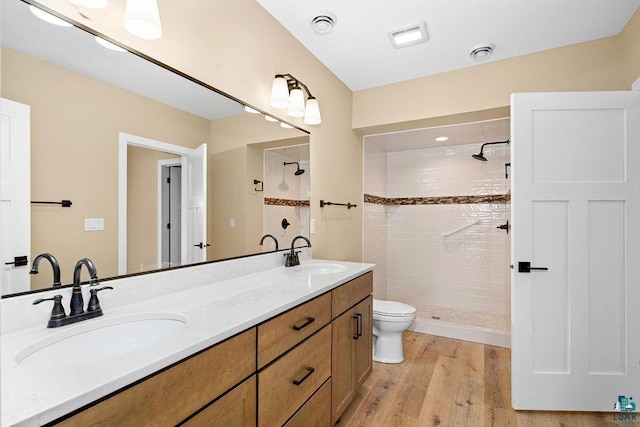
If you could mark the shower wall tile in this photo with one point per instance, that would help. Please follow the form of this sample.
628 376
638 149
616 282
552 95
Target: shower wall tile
468 270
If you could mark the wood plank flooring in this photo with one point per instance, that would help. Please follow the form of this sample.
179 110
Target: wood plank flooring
447 382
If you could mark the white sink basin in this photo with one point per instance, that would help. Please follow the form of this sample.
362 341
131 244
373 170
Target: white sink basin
101 339
318 268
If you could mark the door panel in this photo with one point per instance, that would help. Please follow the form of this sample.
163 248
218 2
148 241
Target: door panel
15 193
575 186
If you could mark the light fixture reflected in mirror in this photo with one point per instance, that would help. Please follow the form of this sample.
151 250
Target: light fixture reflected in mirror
142 19
104 43
287 92
47 17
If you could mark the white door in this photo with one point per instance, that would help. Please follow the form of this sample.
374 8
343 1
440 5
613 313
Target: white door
194 217
576 211
15 192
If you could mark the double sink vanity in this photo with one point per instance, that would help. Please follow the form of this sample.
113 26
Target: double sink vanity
238 342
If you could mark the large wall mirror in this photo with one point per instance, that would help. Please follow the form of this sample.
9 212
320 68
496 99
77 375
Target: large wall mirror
85 100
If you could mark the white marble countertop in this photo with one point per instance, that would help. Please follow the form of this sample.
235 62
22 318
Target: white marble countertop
34 394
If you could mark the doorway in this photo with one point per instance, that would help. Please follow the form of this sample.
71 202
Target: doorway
169 206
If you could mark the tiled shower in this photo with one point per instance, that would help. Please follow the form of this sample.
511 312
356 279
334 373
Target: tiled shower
414 199
286 195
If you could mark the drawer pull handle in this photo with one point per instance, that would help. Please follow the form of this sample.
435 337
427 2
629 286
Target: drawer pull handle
309 321
355 334
310 371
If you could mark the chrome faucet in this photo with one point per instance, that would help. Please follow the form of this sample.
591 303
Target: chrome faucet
58 316
292 257
54 265
269 235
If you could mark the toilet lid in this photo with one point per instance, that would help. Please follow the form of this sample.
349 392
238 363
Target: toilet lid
392 308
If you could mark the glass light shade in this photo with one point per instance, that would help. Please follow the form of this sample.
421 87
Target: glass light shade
312 112
296 103
285 125
93 4
142 19
251 110
279 93
270 119
47 17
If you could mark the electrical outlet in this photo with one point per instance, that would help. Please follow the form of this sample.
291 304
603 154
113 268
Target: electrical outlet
312 226
232 223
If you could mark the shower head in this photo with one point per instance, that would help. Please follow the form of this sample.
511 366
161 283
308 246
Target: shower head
298 171
480 156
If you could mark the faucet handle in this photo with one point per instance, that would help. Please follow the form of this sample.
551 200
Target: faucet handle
94 304
57 312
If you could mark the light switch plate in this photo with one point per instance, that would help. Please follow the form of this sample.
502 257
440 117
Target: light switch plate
93 224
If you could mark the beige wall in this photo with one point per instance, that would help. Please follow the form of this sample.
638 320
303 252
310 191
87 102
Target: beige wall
87 116
586 66
630 51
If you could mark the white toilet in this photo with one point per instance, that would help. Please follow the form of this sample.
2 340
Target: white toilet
390 319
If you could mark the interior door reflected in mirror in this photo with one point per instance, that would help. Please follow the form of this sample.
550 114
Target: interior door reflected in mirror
81 97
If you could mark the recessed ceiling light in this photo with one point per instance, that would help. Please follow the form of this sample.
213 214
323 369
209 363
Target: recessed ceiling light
285 125
270 119
408 36
441 138
323 22
482 52
47 17
250 110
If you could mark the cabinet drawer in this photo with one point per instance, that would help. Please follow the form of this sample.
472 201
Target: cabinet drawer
288 329
351 293
193 383
235 409
316 412
278 393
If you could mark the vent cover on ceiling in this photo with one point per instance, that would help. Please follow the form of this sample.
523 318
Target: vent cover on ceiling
481 52
323 22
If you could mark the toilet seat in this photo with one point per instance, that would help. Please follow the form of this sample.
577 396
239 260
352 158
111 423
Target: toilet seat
392 308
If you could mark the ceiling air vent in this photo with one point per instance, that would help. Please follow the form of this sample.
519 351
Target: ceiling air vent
481 52
323 22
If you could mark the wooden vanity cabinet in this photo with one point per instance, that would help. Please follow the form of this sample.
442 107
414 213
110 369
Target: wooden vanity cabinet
300 368
174 394
351 341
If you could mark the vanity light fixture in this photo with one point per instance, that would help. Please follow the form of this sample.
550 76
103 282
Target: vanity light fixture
47 17
142 19
287 92
92 4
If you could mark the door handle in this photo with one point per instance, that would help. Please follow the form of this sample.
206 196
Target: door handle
359 324
18 261
525 267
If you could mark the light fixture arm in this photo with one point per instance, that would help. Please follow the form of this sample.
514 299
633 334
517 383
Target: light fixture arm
293 82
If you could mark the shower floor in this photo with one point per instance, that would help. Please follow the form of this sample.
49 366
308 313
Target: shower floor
462 324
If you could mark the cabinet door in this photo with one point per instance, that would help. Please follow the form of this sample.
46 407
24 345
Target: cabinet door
235 409
343 367
316 412
363 352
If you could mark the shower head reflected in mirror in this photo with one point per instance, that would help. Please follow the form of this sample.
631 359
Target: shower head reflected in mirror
480 156
298 171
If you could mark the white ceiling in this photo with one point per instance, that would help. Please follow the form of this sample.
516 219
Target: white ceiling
358 50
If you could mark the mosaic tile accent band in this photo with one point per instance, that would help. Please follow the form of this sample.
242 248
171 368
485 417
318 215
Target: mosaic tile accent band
285 202
445 200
